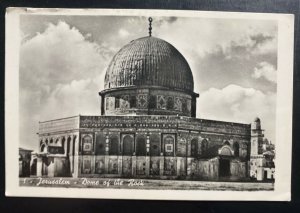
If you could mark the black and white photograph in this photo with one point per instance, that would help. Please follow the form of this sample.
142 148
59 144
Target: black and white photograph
153 104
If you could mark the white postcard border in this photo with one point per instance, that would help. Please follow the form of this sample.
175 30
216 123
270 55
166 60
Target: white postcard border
282 191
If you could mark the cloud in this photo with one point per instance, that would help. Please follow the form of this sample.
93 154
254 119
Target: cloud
61 72
238 104
59 55
251 44
266 71
123 33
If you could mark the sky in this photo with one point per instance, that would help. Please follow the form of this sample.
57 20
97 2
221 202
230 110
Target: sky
63 60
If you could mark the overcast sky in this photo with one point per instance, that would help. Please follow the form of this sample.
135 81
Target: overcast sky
63 61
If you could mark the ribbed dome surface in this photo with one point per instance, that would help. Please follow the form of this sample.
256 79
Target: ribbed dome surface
149 61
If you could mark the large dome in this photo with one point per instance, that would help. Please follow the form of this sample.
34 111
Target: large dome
149 61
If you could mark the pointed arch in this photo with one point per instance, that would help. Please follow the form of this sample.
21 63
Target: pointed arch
226 143
204 146
236 149
194 147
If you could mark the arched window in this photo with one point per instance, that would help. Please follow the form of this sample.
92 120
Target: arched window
194 147
168 145
141 145
204 146
100 144
128 145
87 143
114 145
43 148
154 145
236 149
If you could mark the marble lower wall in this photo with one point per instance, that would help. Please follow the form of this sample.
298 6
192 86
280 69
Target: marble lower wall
157 167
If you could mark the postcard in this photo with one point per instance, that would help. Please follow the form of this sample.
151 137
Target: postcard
148 104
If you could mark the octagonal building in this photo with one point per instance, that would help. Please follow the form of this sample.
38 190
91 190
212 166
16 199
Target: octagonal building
147 127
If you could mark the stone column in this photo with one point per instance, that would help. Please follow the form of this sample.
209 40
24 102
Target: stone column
39 167
178 163
71 157
161 164
65 145
133 164
120 157
147 156
106 157
189 167
77 162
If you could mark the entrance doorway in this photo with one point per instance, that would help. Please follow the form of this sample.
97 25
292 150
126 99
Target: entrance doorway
224 168
265 175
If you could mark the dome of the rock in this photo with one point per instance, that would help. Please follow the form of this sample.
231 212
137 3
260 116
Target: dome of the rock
149 61
148 76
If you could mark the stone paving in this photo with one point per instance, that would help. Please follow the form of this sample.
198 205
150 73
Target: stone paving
145 184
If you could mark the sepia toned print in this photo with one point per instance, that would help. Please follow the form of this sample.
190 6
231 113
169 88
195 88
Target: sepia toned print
132 102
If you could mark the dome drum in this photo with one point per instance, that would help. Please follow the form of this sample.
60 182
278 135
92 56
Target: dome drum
147 101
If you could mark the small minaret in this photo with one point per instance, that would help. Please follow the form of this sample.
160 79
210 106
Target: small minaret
256 138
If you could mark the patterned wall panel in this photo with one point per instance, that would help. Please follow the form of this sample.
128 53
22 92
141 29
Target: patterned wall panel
178 104
127 166
189 105
154 166
169 144
161 102
142 101
181 147
110 103
99 165
141 165
124 102
86 165
170 166
113 165
87 143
